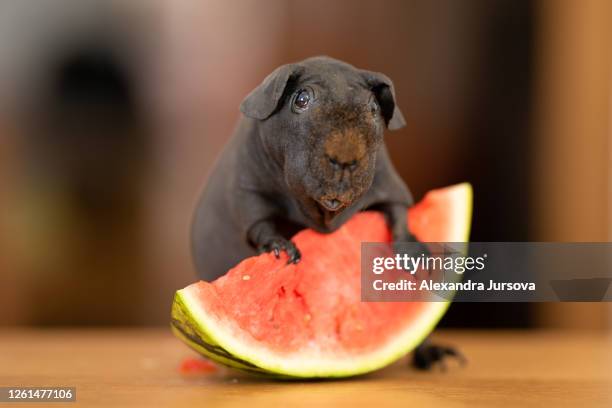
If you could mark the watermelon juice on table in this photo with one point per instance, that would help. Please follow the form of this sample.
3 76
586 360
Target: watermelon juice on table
307 320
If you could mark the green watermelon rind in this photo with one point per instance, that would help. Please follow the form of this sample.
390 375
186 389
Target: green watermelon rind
183 327
200 331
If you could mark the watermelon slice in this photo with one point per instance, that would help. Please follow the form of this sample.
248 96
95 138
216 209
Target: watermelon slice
307 320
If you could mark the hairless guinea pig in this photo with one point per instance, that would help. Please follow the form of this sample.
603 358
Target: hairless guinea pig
308 152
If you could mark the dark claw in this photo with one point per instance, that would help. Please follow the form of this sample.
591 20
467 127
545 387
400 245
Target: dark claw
277 246
294 253
428 355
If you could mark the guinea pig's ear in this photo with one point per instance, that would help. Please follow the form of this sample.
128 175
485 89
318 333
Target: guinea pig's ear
383 89
264 100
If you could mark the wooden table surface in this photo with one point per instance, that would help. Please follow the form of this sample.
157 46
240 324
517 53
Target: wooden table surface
113 368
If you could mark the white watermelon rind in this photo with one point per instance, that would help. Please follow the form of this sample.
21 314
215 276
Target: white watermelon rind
224 342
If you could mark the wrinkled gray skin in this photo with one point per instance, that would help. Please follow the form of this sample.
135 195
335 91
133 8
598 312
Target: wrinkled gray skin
287 168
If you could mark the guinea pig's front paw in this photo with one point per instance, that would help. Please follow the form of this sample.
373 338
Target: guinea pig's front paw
277 245
408 244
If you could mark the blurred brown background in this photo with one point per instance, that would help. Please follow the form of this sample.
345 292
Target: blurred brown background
112 112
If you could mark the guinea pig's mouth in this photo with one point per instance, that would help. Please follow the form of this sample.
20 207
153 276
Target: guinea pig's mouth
330 204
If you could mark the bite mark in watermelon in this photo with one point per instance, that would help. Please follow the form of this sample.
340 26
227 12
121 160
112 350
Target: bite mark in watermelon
307 319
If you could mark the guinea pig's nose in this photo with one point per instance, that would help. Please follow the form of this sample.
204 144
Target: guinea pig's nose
339 165
331 204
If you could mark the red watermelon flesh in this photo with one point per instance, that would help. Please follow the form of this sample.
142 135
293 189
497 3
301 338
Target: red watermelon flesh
307 319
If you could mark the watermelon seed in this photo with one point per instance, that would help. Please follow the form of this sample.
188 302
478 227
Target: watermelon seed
246 277
307 317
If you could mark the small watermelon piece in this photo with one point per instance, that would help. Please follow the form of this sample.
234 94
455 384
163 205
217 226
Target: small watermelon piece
307 320
192 365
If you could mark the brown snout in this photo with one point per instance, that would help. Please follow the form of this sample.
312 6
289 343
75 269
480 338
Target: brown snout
345 149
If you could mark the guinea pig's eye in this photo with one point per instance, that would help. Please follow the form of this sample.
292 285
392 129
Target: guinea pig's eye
302 100
373 105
